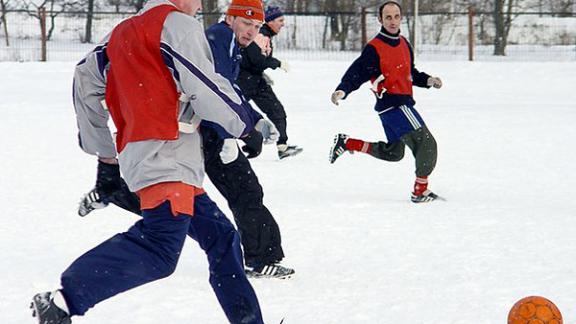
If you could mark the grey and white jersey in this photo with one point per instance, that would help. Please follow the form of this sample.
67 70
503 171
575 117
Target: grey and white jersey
210 96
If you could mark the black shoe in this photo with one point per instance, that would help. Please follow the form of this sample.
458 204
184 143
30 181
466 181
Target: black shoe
89 202
426 196
270 271
285 151
44 309
338 148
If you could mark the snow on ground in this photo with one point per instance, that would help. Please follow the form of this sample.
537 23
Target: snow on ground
362 252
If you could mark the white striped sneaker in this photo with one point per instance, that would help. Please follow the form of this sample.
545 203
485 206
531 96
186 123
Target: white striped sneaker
426 196
338 148
270 271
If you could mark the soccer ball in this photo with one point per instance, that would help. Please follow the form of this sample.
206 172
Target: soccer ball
534 310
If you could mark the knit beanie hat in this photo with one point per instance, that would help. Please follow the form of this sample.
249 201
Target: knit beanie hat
250 9
273 13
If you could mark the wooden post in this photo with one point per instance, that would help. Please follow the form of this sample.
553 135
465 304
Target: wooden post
416 14
42 15
471 33
363 26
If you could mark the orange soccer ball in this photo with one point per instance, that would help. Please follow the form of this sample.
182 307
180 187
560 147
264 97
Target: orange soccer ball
534 310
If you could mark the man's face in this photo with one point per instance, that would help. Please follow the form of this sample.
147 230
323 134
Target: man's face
390 18
189 7
244 29
276 24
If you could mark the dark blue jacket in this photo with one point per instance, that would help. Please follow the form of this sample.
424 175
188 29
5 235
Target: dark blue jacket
367 66
227 58
225 50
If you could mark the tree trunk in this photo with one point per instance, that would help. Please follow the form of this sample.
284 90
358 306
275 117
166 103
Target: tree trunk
210 12
3 22
499 39
138 5
89 16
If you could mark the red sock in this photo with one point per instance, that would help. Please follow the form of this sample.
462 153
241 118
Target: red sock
420 185
358 145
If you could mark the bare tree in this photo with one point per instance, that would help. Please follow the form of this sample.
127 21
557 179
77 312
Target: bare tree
3 22
564 8
136 4
210 12
89 18
53 8
503 12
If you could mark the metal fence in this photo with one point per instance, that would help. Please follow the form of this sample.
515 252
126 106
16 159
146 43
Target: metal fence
439 36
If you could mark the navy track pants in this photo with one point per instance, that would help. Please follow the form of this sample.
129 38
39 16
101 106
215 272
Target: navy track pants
149 251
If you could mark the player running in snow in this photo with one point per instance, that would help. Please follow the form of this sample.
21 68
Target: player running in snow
148 70
388 62
229 171
256 86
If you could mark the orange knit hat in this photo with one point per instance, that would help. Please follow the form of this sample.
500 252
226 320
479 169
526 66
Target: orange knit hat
251 9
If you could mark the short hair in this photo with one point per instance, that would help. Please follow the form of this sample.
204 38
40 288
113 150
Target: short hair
388 3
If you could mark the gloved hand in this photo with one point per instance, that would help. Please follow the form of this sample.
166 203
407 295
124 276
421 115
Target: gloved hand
267 79
268 131
337 96
284 66
229 152
253 145
108 179
434 82
122 198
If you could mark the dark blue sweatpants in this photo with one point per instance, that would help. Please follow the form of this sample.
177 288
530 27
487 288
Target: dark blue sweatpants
149 251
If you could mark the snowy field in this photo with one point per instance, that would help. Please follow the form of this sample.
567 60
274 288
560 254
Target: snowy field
362 252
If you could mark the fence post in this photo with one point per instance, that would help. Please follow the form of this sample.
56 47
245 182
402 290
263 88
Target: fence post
42 15
363 26
471 33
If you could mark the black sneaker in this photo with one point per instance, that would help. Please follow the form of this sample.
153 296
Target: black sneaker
44 309
270 271
338 148
285 151
426 196
89 202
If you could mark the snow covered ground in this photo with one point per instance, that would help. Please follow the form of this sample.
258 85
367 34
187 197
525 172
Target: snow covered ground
362 252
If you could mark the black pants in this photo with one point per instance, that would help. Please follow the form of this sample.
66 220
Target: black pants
262 94
238 183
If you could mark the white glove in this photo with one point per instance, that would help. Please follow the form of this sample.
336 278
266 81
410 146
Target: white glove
434 82
268 130
267 79
284 66
337 96
229 152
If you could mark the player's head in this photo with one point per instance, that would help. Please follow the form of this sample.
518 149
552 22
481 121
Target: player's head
390 16
245 17
275 18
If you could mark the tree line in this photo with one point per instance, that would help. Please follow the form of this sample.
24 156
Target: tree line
497 15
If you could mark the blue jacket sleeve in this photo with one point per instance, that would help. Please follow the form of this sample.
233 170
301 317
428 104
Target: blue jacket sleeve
362 69
221 42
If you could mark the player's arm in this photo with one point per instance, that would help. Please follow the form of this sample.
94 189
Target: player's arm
362 69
